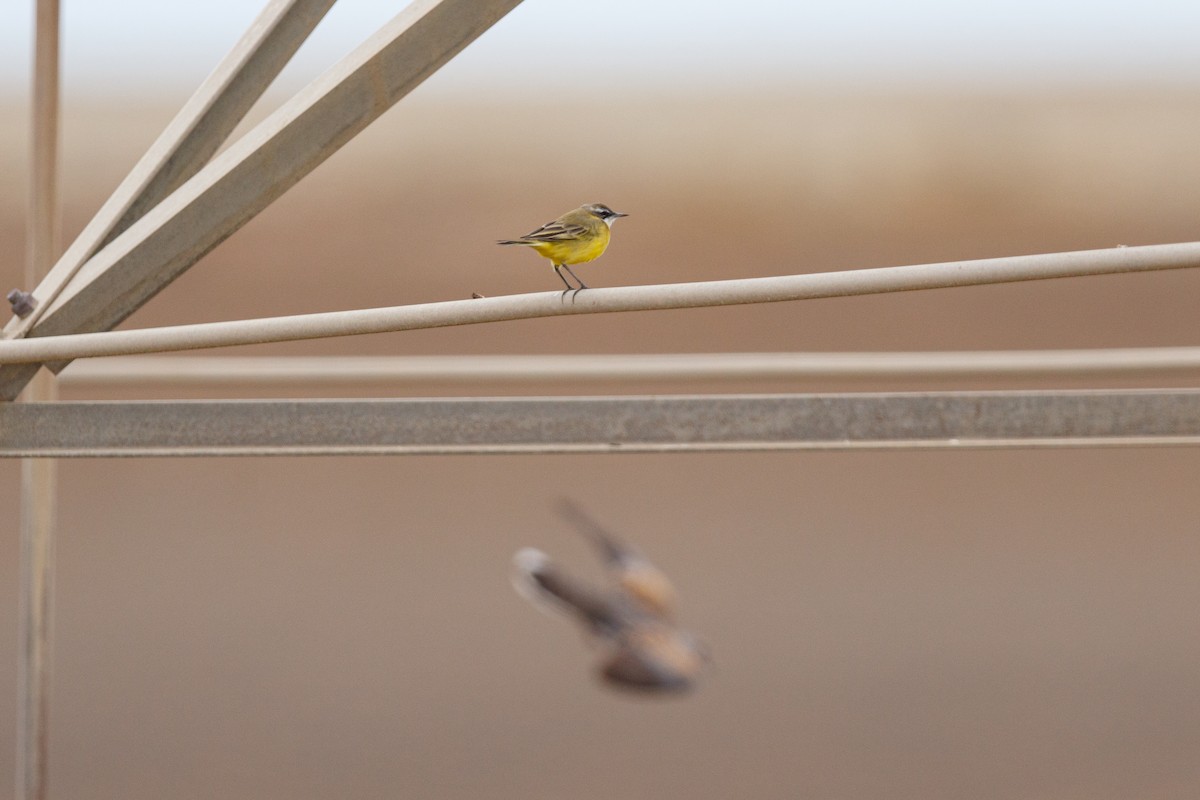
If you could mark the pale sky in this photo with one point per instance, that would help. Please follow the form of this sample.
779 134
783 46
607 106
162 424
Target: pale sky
135 46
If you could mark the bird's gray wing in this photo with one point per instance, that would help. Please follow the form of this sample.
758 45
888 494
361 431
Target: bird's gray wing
555 232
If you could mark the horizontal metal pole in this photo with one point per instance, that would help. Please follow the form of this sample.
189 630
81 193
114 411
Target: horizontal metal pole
255 370
594 301
600 425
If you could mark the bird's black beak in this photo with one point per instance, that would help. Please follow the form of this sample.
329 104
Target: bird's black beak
619 214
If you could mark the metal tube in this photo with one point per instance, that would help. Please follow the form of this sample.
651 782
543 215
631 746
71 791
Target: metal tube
594 301
39 475
251 370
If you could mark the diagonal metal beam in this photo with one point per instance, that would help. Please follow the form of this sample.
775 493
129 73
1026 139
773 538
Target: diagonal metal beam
601 425
260 167
190 140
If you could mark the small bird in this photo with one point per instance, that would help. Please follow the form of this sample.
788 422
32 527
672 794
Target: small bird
574 238
633 623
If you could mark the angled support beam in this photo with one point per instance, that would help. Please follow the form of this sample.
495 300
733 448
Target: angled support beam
260 167
190 140
602 425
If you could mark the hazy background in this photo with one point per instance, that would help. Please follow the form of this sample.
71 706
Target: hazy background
1015 624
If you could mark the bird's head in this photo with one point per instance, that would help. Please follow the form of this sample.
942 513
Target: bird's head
603 212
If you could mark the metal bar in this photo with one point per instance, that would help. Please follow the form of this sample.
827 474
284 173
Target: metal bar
260 167
600 425
595 301
253 370
39 475
190 140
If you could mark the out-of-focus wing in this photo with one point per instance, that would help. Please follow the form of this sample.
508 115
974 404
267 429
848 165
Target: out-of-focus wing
538 580
646 584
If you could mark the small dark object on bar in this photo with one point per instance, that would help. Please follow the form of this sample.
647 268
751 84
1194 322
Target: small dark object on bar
23 303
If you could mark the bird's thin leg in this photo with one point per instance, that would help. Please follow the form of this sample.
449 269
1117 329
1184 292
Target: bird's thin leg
582 285
563 278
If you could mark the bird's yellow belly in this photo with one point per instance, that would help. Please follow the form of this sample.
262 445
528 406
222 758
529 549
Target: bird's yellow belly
574 251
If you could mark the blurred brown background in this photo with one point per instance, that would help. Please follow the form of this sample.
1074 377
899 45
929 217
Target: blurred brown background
1008 624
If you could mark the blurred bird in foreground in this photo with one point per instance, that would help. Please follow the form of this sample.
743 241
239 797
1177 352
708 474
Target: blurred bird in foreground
632 623
574 238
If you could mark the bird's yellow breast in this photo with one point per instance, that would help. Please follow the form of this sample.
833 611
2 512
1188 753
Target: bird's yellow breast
588 247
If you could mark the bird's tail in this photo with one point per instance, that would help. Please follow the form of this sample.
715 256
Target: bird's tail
514 241
613 549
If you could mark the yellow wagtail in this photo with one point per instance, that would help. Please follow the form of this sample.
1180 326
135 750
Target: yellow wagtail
575 237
